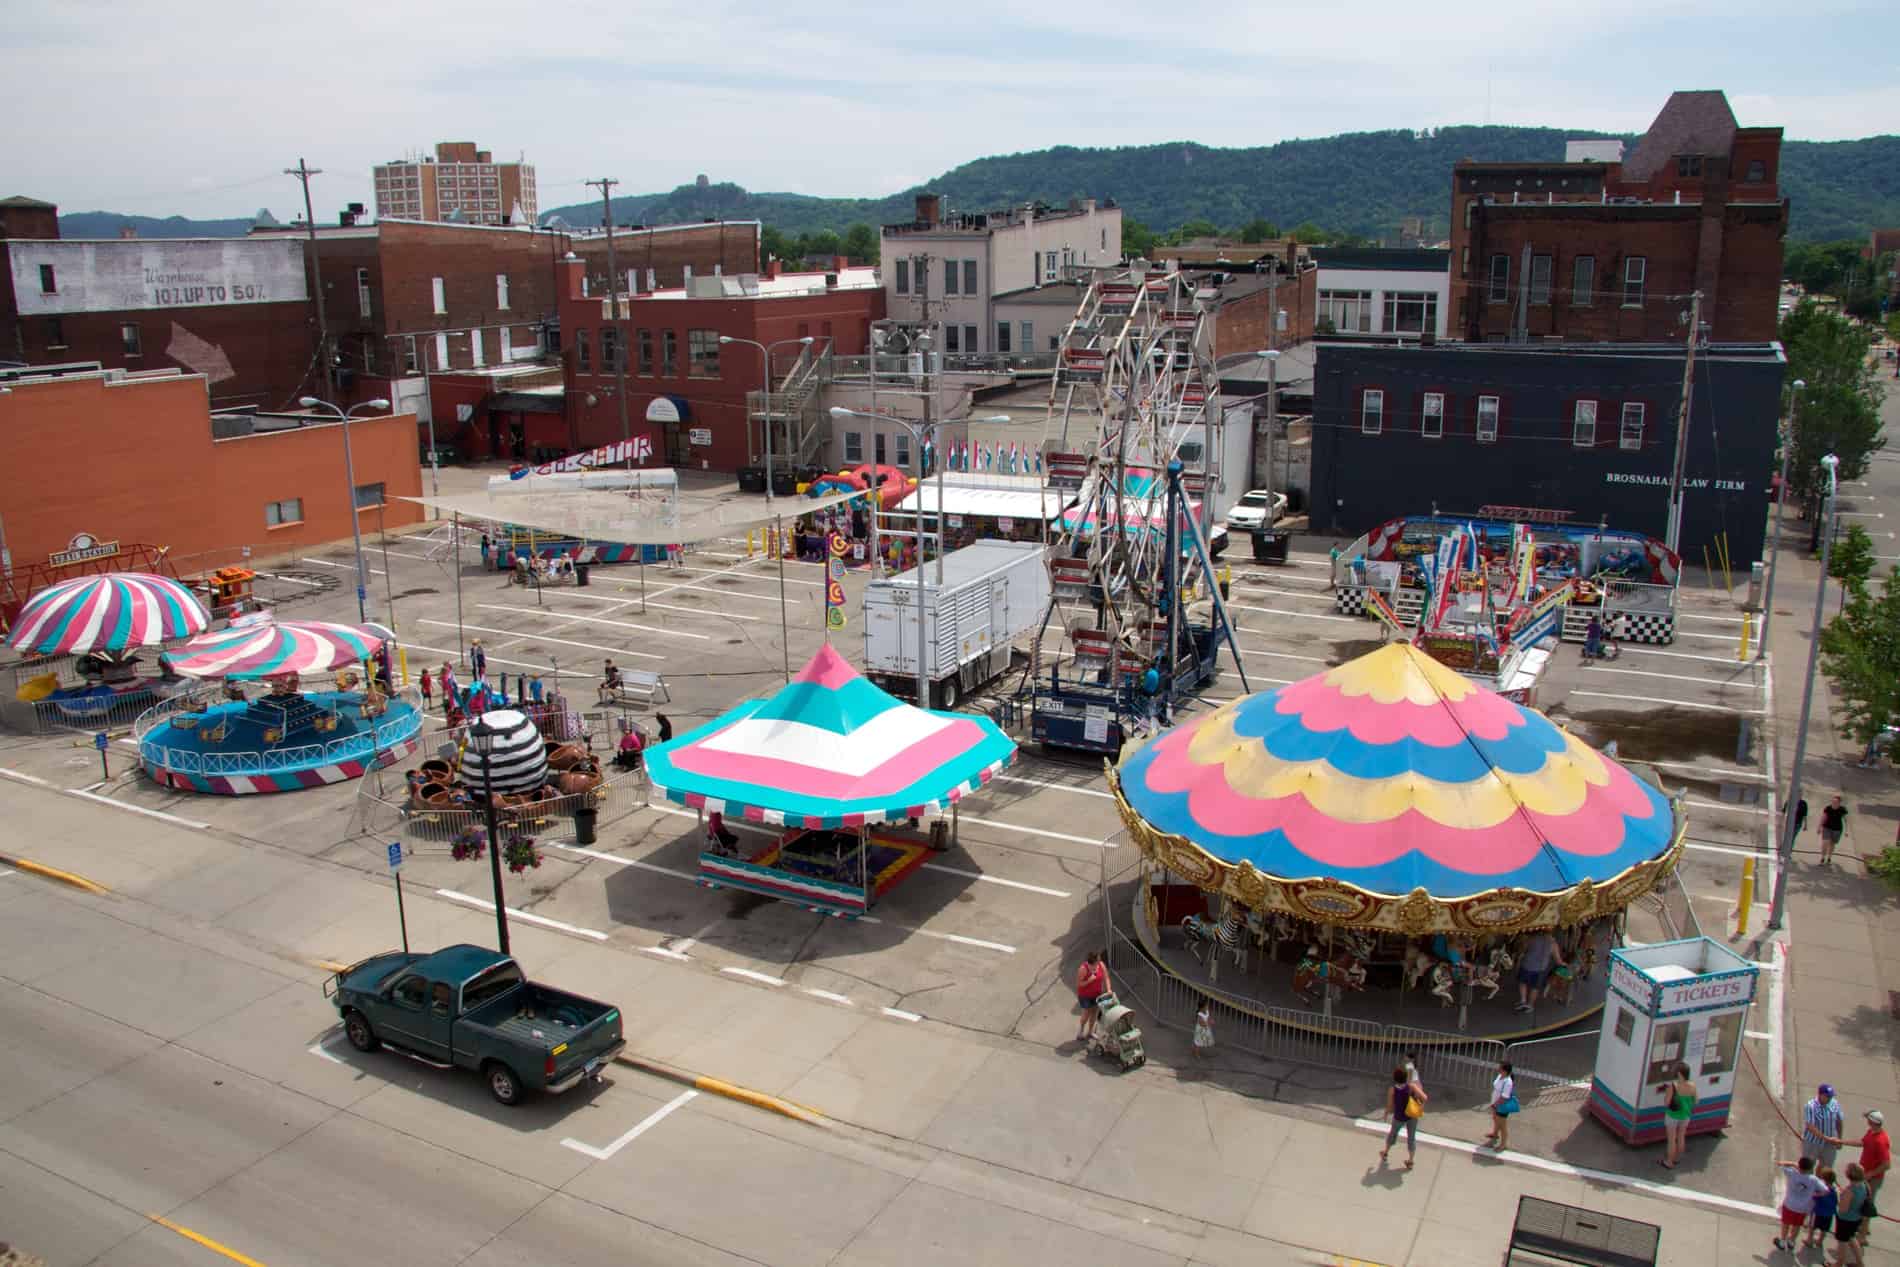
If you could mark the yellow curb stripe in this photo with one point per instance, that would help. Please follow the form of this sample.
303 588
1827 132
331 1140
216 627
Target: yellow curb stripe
205 1241
329 965
54 873
716 1086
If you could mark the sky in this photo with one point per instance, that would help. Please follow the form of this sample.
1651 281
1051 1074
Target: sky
113 108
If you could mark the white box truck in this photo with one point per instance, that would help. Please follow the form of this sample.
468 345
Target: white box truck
992 593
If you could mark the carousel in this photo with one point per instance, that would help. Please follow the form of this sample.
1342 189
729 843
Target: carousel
298 732
1389 841
103 622
848 774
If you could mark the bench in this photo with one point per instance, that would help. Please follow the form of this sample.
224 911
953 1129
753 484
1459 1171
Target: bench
644 686
1551 1232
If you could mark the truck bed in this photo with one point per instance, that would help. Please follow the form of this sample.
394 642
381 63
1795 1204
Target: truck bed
555 1014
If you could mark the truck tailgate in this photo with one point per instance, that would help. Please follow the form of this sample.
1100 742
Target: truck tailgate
569 1029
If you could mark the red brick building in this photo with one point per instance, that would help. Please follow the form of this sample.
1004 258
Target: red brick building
664 256
1612 252
686 393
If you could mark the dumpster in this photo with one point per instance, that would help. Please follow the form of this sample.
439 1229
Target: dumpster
1270 547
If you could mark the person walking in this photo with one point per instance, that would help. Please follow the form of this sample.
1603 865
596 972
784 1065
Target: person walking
428 692
1091 982
1821 1126
1678 1109
535 690
1404 1105
1503 1105
487 547
1821 1222
449 692
1541 954
1833 822
1800 817
477 660
1852 1215
1797 1200
1203 1033
1593 639
664 724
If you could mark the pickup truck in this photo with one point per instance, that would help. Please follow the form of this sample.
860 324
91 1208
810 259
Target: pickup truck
469 1008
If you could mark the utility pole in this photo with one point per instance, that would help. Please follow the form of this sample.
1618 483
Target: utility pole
303 172
605 185
1674 530
1781 501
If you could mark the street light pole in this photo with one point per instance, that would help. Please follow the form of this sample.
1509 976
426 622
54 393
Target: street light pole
778 527
1786 845
482 736
1781 500
349 473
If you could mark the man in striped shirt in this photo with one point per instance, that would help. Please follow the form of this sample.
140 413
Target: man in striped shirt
1821 1126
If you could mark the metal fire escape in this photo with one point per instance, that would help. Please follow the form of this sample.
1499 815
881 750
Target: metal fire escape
799 427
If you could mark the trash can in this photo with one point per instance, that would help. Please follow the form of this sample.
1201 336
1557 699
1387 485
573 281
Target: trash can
580 573
585 820
1269 547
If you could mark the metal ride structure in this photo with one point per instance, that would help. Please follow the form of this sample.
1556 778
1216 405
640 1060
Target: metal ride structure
1129 558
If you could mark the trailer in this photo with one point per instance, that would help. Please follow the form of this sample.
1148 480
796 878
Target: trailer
990 594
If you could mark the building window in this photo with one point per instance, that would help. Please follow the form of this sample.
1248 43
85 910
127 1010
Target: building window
1688 166
903 277
1757 172
501 291
409 354
1049 266
1471 210
129 340
1540 279
1635 273
669 354
1002 336
1487 420
970 344
952 340
702 354
610 350
1632 437
969 277
1028 330
1583 280
475 350
362 294
287 511
1583 425
55 332
441 351
1345 311
1464 262
902 440
854 446
1432 418
440 295
48 285
949 277
644 340
583 355
369 496
1411 311
1500 291
1371 412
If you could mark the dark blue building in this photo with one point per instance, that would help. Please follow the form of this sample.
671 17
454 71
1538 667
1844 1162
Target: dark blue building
1582 432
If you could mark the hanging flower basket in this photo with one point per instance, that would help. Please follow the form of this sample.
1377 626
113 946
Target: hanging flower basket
520 854
469 845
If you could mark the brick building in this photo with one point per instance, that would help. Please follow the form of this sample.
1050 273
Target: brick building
687 394
661 257
1612 251
152 465
459 181
1255 313
234 311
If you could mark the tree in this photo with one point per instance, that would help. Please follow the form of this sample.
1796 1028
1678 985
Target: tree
822 243
1851 562
861 243
1137 238
1309 234
1257 230
1861 649
1839 411
773 244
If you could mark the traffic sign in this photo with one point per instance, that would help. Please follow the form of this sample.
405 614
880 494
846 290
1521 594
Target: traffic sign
395 855
99 741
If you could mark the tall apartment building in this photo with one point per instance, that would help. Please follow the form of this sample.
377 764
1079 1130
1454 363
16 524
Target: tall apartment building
1611 251
949 269
460 178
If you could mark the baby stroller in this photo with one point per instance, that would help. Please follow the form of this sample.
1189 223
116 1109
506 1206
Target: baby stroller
1116 1034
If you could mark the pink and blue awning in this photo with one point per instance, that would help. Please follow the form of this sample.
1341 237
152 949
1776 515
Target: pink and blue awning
118 611
829 750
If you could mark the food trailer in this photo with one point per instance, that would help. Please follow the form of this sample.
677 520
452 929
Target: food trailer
1677 1002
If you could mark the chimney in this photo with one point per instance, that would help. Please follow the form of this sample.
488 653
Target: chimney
127 232
929 210
574 275
840 262
773 267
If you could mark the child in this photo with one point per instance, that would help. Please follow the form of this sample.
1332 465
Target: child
428 693
1203 1033
1824 1207
1797 1202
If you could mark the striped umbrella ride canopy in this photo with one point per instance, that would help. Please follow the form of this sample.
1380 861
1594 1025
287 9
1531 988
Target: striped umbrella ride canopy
270 648
517 760
1392 792
114 612
829 750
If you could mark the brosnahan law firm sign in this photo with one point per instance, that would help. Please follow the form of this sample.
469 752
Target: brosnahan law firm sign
54 277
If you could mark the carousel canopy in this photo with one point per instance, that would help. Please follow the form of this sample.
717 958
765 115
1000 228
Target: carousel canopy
1393 775
114 612
270 648
829 750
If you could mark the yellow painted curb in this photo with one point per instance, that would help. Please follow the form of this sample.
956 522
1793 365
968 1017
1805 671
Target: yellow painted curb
54 873
716 1086
329 965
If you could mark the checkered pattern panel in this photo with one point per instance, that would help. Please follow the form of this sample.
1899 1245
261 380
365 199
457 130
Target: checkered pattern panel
1349 601
1659 628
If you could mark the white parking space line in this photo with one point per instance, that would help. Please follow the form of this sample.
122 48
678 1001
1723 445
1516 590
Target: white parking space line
992 879
1731 620
635 863
1729 850
495 659
319 1048
525 916
34 779
749 975
1037 831
667 953
1669 703
1321 596
1711 637
767 578
1256 578
1718 683
1699 803
599 620
1287 655
7 871
828 996
701 611
292 580
1862 514
534 637
703 587
1053 787
139 809
958 938
646 1124
1626 649
1720 772
1277 611
341 567
899 1013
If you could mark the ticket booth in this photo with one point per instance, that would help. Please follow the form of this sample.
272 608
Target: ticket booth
1678 1002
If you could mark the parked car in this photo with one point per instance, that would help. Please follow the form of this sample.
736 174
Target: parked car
1257 508
464 1007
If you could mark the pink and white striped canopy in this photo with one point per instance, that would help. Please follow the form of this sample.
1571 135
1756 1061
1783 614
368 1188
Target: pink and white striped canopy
270 648
117 611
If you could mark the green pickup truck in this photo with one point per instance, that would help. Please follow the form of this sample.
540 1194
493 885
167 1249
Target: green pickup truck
470 1008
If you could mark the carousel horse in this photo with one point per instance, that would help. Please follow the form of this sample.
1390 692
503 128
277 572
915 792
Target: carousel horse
1418 964
1489 977
1198 934
1441 984
1313 973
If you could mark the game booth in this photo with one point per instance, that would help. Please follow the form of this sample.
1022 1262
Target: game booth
103 622
1380 842
240 741
848 772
